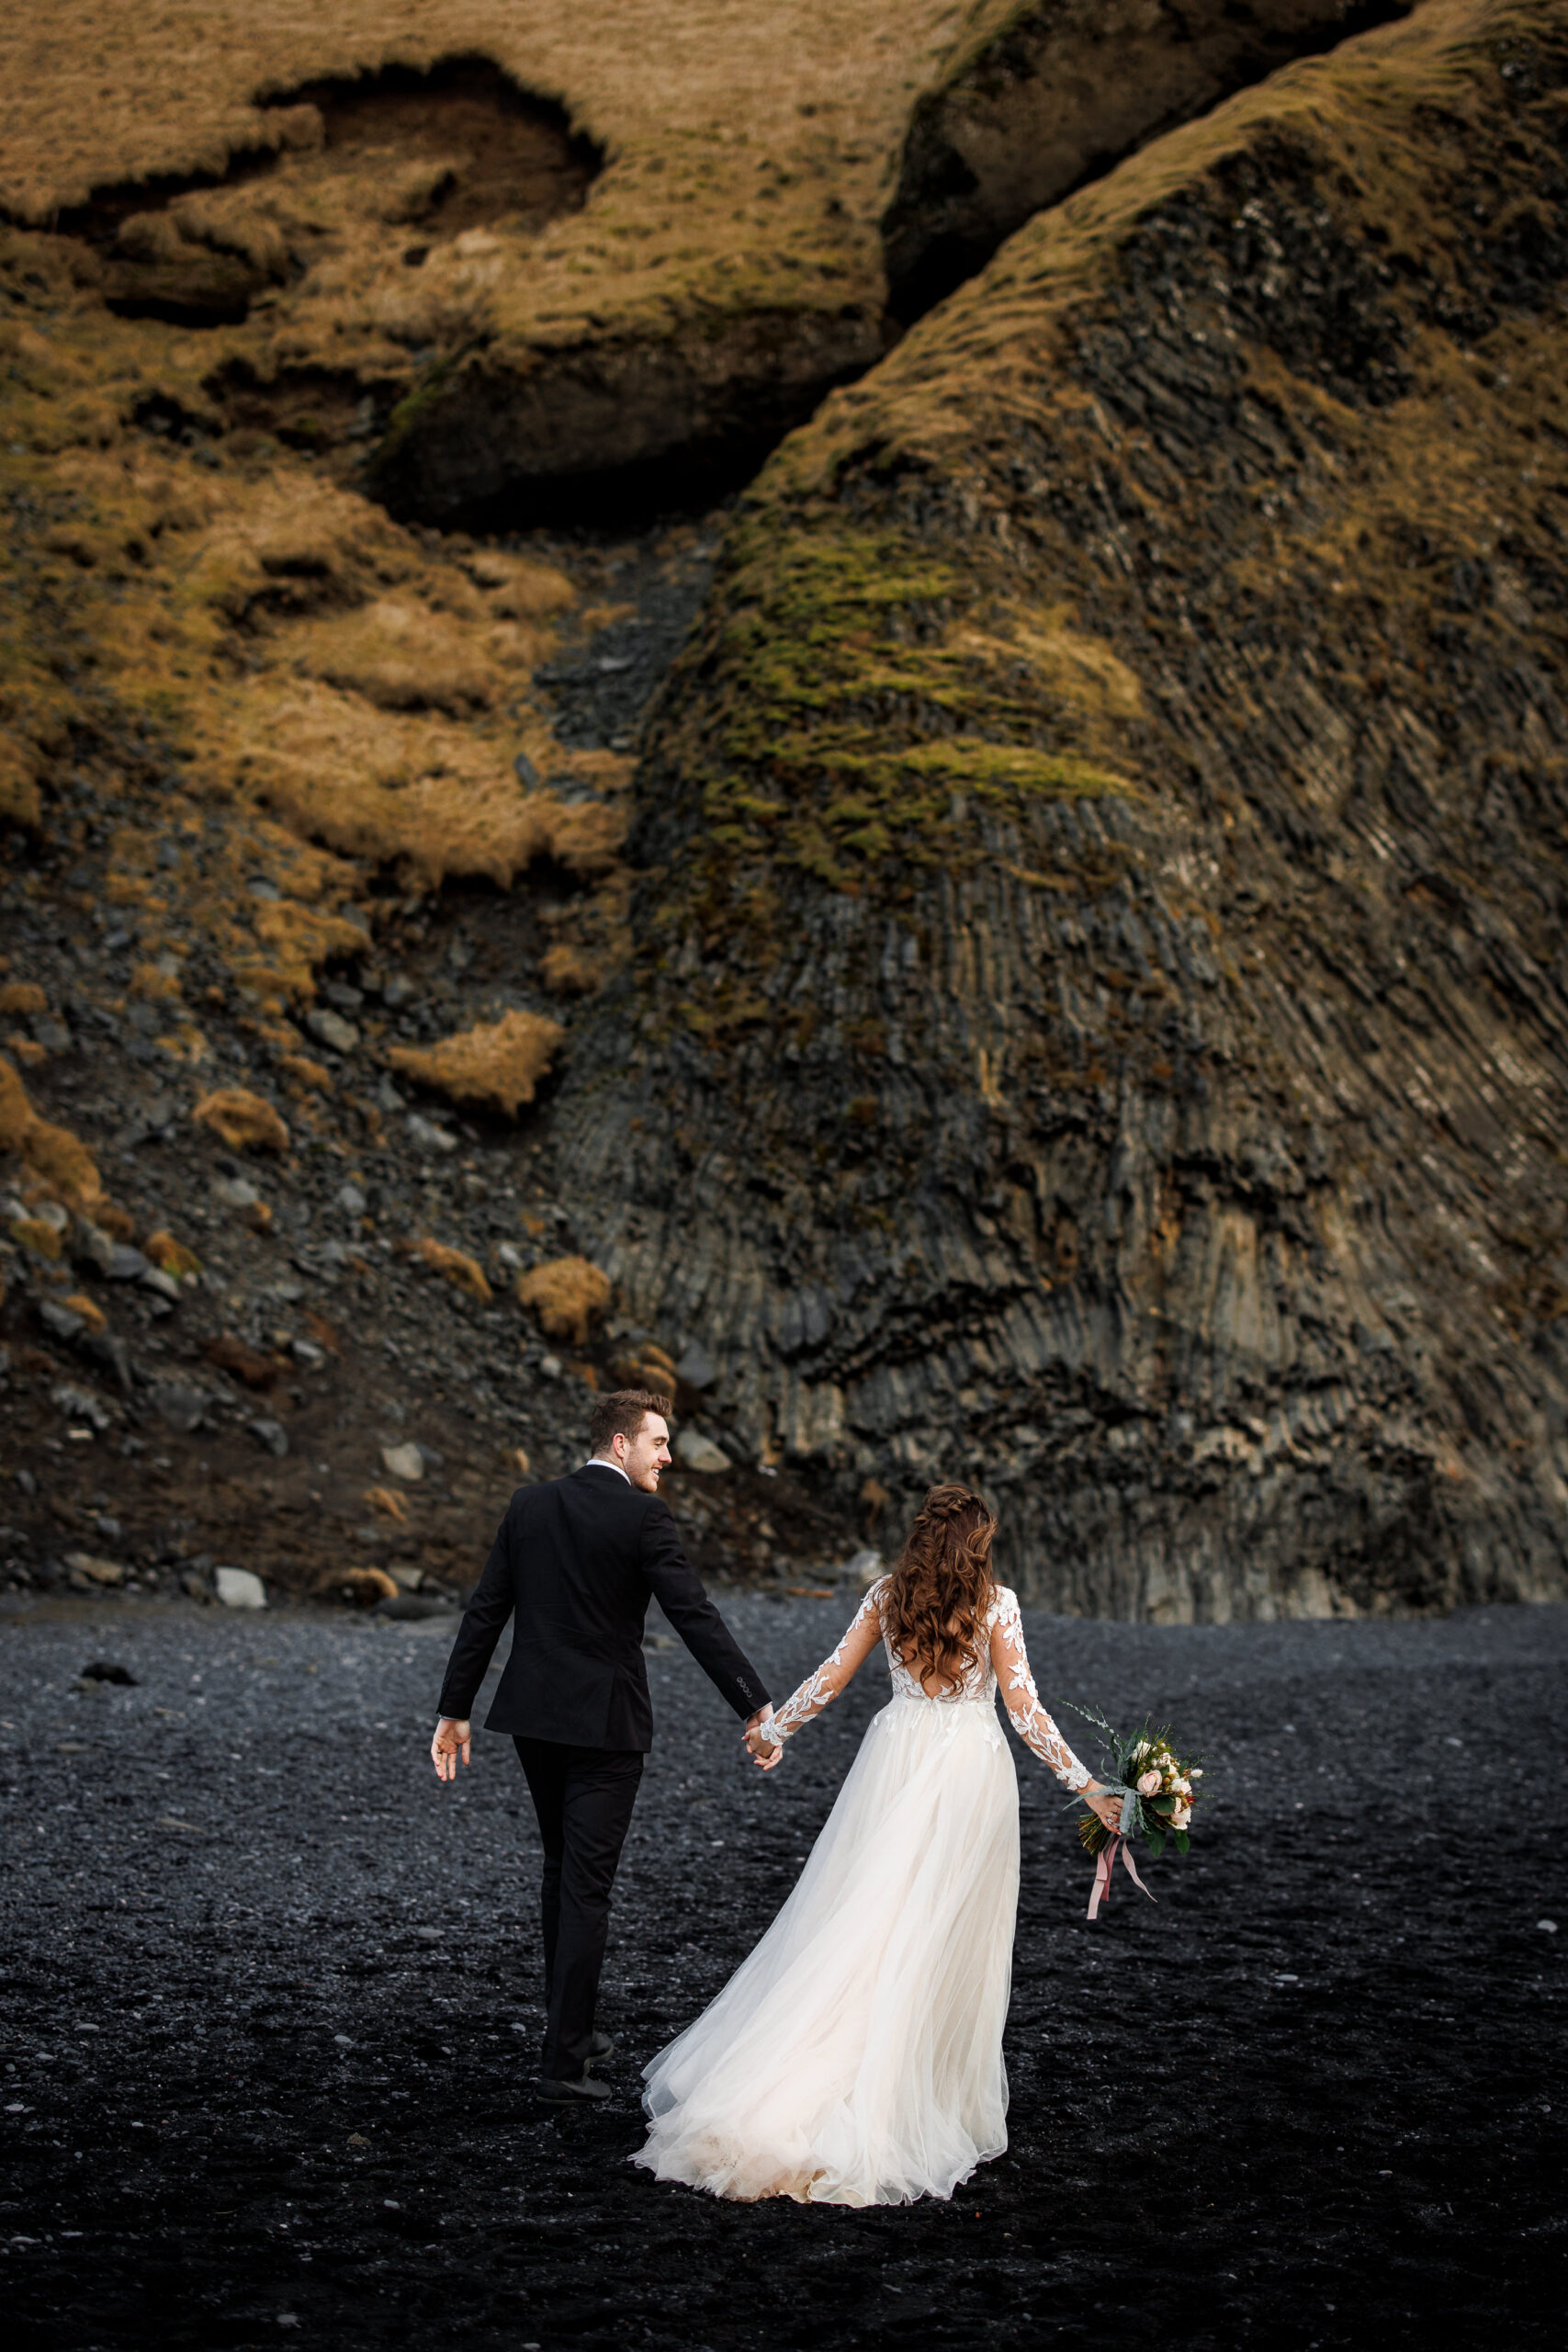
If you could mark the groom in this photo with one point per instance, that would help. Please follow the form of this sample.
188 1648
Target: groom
576 1561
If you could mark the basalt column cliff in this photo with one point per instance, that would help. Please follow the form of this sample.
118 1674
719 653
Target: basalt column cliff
1097 1019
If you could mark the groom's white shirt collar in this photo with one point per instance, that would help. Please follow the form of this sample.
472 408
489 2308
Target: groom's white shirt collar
599 1461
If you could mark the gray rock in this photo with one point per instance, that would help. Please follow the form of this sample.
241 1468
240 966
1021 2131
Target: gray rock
128 1265
403 1461
427 1135
696 1367
351 1200
78 1405
179 1408
695 1451
397 991
91 1246
330 1029
239 1588
271 1434
307 1352
62 1321
235 1191
163 1285
52 1033
865 1566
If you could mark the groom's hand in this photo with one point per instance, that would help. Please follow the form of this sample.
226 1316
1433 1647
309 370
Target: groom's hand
765 1751
452 1739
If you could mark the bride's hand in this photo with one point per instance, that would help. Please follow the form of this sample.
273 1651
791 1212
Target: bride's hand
1108 1808
762 1751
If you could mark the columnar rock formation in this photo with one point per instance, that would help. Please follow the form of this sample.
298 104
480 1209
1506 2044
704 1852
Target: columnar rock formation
1097 1017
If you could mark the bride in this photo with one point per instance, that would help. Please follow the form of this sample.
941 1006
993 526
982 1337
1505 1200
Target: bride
855 2057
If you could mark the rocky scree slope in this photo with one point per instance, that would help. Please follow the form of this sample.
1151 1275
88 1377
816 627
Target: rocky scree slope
1099 967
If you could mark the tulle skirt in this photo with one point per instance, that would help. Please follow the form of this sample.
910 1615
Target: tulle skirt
855 2058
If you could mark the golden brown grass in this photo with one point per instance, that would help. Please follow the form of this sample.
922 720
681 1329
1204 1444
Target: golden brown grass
567 1295
455 1266
241 1120
748 149
497 1064
173 1256
58 1160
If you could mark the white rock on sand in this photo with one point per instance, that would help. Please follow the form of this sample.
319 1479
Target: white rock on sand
237 1588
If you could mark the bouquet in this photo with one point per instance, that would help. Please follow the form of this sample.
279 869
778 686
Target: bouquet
1154 1785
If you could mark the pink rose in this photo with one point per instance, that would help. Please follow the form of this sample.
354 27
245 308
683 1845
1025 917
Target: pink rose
1148 1784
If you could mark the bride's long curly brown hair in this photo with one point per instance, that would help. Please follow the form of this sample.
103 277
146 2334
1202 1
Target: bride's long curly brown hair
938 1595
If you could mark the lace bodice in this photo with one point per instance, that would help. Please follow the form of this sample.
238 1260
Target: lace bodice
1003 1663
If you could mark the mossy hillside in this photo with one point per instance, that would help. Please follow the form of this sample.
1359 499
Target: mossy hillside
871 693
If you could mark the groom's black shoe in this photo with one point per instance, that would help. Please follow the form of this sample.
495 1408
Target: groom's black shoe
601 2047
579 2086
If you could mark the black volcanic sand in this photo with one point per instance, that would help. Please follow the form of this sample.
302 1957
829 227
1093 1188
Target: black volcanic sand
272 2007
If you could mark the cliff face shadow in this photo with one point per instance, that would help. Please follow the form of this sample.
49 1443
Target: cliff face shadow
421 157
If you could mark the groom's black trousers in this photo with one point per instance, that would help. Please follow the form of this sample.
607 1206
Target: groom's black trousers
583 1797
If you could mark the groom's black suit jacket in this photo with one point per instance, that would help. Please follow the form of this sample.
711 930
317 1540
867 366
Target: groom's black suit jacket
579 1559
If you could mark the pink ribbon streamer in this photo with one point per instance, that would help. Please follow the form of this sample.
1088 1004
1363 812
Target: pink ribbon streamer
1105 1862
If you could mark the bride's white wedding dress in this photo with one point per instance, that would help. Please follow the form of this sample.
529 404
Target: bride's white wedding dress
855 2057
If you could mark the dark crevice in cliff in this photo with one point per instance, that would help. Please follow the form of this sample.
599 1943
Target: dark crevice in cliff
949 213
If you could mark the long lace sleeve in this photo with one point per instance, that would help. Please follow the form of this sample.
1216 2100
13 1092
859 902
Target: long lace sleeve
836 1672
1021 1700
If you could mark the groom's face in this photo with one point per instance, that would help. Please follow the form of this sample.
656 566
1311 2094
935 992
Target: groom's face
646 1455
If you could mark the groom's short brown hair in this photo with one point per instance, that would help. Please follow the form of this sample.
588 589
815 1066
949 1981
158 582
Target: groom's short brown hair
623 1409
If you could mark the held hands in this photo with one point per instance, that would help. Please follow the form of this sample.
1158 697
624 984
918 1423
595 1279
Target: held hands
451 1738
766 1752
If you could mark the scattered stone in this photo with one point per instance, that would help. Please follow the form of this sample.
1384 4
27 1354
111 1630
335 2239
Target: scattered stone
510 1256
243 1120
330 1029
179 1408
246 1363
193 1585
695 1451
162 1285
403 1461
127 1265
696 1367
427 1135
92 1568
396 991
106 1670
91 1246
551 1367
235 1191
429 1456
307 1352
59 1319
407 1607
271 1434
239 1588
91 1313
865 1566
351 1200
